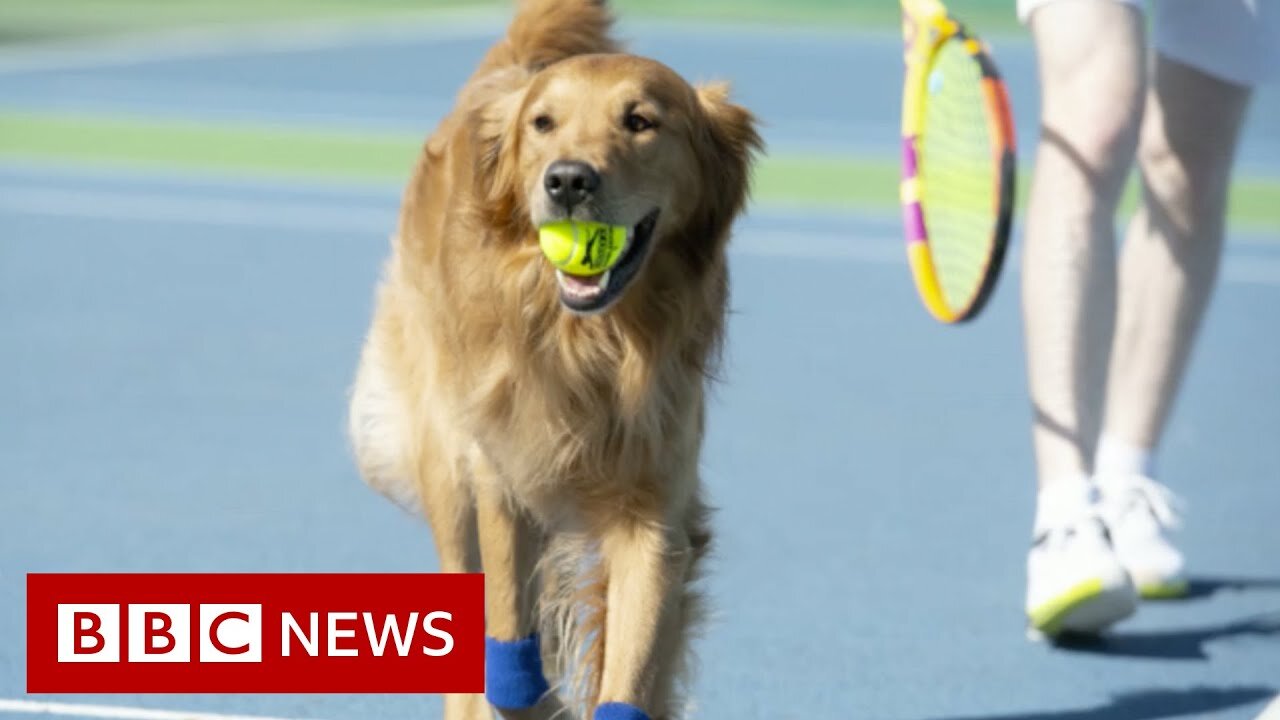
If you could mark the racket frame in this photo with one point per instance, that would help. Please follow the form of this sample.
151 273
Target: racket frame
927 26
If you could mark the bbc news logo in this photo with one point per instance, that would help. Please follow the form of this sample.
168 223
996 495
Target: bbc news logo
255 633
161 633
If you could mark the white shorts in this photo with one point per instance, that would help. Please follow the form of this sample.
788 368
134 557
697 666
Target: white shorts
1235 40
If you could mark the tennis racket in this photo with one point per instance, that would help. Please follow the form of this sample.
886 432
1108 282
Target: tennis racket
958 164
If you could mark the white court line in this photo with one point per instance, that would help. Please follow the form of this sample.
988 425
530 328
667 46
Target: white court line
33 707
1272 711
354 219
234 40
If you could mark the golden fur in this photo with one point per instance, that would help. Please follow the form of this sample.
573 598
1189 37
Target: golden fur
559 450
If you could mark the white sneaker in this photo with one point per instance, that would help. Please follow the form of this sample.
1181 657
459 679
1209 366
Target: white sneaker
1075 582
1138 511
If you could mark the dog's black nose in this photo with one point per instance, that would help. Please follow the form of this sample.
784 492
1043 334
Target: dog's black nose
569 182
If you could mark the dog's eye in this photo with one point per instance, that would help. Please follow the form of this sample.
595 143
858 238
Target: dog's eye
637 123
544 124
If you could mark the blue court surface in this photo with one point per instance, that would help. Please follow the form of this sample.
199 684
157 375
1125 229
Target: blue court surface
175 350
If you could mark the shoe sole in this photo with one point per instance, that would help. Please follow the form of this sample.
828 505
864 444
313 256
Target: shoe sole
1088 607
1163 590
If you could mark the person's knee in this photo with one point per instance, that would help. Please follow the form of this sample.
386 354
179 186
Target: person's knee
1095 133
1101 145
1093 81
1164 172
1184 190
1087 155
1188 140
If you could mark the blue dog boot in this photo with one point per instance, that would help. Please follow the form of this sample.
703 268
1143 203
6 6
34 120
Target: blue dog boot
513 678
619 711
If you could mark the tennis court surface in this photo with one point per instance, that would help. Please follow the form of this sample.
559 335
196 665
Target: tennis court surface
190 231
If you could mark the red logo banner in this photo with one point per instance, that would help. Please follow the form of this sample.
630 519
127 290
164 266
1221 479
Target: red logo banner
251 633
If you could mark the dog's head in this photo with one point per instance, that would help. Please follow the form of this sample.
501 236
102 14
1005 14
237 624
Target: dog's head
625 141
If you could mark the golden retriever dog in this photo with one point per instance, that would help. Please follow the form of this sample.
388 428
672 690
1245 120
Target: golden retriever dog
549 425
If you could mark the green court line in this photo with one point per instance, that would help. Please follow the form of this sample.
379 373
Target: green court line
246 149
844 182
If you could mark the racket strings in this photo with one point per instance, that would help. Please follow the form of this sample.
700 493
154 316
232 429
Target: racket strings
958 175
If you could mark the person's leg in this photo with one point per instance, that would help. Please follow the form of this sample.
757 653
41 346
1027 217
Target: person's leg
1171 252
1092 59
1092 73
1167 272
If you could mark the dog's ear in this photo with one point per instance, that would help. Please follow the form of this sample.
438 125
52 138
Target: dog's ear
731 144
493 105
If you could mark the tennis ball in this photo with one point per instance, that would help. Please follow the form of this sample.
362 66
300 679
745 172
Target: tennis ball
582 248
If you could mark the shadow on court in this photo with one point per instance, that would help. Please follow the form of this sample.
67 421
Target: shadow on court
1204 587
1151 704
1175 644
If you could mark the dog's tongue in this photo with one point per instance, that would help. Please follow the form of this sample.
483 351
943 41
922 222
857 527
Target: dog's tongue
582 287
582 282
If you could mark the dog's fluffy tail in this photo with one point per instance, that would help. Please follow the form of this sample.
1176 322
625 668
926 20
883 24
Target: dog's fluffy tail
545 31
